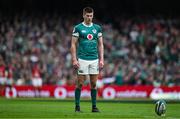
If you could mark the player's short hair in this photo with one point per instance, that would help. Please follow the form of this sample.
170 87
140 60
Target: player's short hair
88 10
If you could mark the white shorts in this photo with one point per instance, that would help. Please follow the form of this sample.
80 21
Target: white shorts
37 82
2 80
88 67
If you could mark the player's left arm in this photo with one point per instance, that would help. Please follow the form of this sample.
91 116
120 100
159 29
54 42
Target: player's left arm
101 52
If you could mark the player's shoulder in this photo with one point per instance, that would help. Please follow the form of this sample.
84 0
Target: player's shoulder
97 25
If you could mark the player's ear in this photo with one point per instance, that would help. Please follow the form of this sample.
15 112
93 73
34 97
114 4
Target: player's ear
83 15
93 15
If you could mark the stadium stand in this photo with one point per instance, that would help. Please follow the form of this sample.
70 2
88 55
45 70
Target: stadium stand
139 50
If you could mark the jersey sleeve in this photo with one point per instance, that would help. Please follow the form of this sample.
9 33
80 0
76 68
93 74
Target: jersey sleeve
75 32
100 31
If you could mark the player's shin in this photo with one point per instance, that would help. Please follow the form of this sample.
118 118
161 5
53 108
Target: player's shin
77 96
93 97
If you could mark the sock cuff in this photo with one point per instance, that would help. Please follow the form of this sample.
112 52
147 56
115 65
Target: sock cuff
78 89
93 89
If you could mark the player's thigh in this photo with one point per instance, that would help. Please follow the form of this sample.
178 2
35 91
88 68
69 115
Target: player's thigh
94 67
93 78
83 68
81 78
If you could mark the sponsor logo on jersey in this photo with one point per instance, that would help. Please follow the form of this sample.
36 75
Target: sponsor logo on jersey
83 31
89 36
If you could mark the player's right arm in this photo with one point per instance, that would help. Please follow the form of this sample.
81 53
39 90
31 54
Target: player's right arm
74 41
73 52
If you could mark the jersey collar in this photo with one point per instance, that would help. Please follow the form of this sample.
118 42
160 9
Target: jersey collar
87 25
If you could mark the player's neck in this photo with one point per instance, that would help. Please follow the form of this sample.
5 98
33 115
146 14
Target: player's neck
87 24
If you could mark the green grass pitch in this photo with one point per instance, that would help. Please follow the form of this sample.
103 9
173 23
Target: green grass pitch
52 108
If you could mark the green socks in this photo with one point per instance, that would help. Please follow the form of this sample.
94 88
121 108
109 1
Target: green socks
93 97
77 96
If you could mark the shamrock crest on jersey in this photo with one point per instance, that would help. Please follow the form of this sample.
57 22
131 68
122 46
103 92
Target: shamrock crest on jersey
94 31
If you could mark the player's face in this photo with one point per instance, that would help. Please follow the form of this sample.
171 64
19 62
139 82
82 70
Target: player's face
88 17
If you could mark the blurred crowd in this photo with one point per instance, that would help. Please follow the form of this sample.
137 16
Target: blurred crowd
141 50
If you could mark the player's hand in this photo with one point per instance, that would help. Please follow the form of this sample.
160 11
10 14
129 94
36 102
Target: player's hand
75 64
101 64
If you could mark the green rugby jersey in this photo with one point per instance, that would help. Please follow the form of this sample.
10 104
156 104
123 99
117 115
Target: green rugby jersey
87 40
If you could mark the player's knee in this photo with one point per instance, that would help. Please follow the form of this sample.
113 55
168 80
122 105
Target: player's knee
79 85
93 85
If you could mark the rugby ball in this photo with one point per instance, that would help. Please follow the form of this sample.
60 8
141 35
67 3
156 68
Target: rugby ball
160 108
